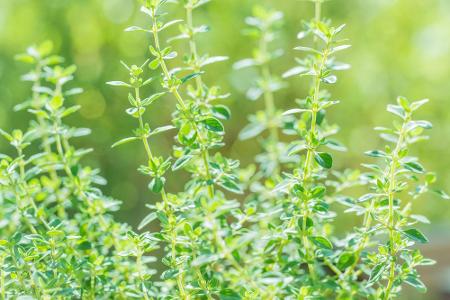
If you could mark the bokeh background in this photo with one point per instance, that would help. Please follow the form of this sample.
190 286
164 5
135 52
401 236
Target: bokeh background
400 47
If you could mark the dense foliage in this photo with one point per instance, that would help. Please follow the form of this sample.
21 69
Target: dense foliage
58 238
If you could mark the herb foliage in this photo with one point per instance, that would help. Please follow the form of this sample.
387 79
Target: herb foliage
264 232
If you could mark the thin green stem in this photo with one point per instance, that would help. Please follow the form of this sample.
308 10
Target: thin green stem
307 169
391 217
205 156
200 91
308 164
167 208
318 10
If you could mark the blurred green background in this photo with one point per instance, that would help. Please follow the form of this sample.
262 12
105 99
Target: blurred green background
400 47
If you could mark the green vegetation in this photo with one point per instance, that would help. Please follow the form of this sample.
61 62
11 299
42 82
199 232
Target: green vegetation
213 228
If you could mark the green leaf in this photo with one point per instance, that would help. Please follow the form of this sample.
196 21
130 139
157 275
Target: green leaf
70 111
147 220
205 259
25 58
339 48
154 64
376 273
330 79
169 274
296 147
376 153
212 124
321 242
221 112
56 102
6 135
135 28
417 104
307 49
324 159
251 130
416 282
231 186
403 102
170 23
294 71
84 245
318 191
442 194
182 161
214 59
415 235
396 110
118 83
295 111
190 76
309 223
124 141
152 98
157 184
414 167
161 129
228 294
187 134
346 260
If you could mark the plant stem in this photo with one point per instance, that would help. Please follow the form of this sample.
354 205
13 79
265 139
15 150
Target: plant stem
200 91
391 218
168 210
307 169
205 153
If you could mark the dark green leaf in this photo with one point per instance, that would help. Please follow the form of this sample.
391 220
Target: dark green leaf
182 161
376 273
415 235
212 124
221 112
346 259
157 184
414 167
321 242
416 282
190 76
324 159
231 186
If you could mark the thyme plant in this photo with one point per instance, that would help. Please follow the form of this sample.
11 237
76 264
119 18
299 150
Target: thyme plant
265 124
382 248
272 237
58 238
196 233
